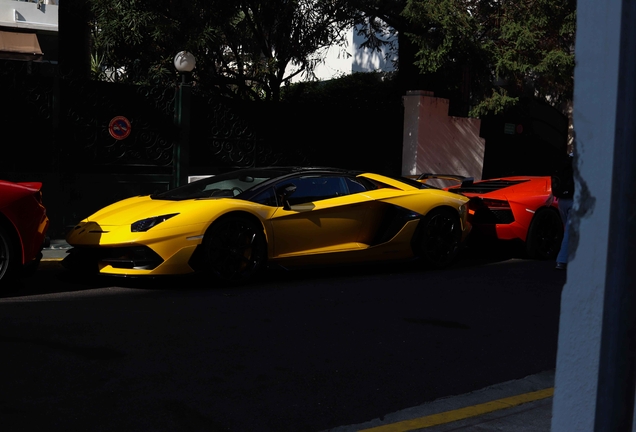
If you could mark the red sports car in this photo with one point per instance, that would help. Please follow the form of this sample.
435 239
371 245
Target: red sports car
23 225
510 208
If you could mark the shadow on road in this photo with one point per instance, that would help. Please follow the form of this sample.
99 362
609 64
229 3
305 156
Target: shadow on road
52 278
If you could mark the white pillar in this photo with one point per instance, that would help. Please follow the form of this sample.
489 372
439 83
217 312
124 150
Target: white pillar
595 111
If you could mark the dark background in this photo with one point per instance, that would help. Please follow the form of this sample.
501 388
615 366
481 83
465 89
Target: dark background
56 129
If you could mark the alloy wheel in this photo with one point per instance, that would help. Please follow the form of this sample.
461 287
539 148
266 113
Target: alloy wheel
235 249
545 235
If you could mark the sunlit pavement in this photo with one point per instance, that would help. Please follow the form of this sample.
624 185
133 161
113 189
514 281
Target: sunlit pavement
56 251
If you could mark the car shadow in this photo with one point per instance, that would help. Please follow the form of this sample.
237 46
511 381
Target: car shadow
52 277
488 250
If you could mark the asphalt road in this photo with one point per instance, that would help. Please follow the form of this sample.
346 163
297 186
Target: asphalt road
306 351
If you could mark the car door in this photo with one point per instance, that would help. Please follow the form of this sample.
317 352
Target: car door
322 216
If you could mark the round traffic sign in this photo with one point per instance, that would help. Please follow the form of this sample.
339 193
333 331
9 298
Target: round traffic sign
119 127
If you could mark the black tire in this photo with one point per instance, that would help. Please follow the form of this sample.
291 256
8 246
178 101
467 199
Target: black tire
31 268
235 249
8 255
544 235
439 237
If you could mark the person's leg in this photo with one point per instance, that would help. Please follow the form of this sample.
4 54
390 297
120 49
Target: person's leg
562 257
565 206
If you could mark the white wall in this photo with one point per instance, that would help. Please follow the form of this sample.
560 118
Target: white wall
367 60
434 142
26 15
338 61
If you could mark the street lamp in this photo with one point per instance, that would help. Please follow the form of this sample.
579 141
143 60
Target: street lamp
184 62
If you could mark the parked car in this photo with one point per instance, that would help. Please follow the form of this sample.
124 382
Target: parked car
512 208
233 224
23 226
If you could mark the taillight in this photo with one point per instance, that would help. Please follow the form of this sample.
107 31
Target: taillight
495 204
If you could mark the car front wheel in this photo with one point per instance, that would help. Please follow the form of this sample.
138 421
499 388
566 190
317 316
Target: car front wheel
235 249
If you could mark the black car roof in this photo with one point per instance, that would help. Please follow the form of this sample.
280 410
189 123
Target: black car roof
300 169
291 171
272 175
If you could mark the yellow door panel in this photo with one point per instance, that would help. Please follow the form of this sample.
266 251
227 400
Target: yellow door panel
330 224
397 249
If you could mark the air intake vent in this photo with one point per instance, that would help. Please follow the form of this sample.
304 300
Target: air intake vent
488 186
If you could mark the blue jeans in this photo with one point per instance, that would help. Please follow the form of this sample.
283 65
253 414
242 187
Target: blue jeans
565 206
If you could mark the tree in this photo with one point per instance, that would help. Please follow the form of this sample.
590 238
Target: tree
378 17
282 37
135 41
504 50
245 49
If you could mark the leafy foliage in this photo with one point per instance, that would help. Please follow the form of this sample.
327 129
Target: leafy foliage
246 48
351 91
505 49
137 40
485 53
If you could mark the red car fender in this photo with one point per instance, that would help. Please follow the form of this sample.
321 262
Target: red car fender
10 192
24 211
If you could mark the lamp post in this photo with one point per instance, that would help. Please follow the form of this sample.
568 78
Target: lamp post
184 62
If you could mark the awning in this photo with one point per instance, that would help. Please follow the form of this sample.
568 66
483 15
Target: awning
24 43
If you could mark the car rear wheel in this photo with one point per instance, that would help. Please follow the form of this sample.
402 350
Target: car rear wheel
235 249
544 235
439 237
7 255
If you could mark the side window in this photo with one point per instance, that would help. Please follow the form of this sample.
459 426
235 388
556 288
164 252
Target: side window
359 184
267 197
310 189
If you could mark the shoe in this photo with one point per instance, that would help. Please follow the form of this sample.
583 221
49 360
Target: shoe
561 266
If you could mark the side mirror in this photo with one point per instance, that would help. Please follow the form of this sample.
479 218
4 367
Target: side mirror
284 192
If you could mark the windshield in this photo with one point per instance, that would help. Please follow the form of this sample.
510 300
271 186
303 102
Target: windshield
228 185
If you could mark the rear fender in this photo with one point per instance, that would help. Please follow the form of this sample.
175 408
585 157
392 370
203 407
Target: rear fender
12 192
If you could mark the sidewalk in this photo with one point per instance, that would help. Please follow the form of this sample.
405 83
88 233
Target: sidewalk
55 251
523 405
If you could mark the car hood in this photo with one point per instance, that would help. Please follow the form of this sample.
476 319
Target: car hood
506 188
133 209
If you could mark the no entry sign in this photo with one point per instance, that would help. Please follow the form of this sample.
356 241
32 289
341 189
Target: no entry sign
119 127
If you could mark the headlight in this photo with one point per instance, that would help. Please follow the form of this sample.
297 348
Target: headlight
145 224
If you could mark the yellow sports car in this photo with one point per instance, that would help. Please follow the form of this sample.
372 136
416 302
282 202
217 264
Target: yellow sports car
232 225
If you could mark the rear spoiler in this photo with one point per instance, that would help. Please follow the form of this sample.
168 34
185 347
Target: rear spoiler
464 181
